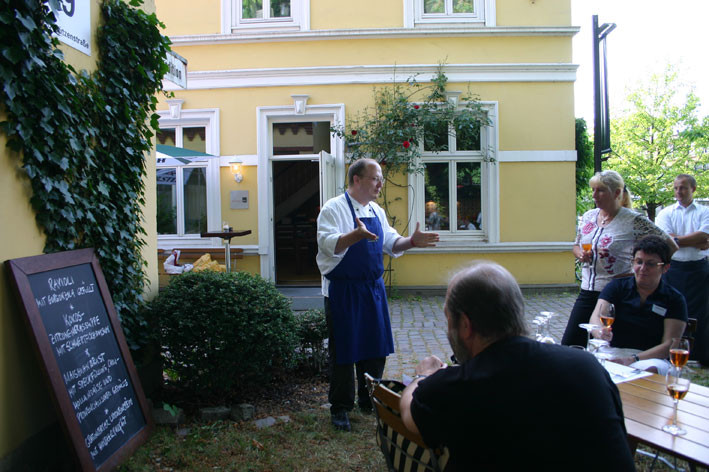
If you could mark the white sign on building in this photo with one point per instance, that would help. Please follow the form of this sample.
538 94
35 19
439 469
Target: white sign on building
177 69
74 22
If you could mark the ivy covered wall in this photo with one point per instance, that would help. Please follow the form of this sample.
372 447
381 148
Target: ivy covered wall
73 159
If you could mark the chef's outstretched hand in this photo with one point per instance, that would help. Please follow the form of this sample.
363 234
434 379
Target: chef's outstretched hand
364 232
420 239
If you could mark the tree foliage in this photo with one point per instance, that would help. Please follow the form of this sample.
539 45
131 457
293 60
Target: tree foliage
584 167
658 137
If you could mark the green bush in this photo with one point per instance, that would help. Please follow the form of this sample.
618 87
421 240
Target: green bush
312 332
220 330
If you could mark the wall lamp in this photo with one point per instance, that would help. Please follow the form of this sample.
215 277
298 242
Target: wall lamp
235 165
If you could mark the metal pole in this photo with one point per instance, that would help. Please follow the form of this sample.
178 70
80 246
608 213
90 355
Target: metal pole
601 128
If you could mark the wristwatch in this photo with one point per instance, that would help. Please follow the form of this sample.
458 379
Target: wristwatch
635 356
676 240
418 376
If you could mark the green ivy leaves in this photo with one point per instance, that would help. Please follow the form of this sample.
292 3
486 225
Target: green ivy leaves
83 137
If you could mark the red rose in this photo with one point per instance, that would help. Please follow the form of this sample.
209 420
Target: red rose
354 132
406 144
416 107
587 228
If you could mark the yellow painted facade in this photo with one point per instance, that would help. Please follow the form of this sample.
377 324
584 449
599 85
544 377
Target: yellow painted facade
26 405
516 61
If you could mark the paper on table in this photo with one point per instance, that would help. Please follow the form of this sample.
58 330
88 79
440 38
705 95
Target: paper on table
622 373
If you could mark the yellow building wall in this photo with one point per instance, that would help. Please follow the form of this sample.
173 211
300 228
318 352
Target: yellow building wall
174 14
329 14
532 116
240 219
25 400
528 268
470 50
533 13
25 404
536 201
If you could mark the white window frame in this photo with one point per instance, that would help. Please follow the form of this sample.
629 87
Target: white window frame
489 176
414 16
233 23
209 119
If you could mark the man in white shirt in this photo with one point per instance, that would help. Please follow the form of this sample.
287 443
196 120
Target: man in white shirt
353 234
688 223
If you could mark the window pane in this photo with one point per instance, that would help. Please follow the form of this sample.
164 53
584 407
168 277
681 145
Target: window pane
435 136
167 201
195 194
301 138
252 9
280 8
194 139
463 6
436 195
434 6
166 136
467 136
468 191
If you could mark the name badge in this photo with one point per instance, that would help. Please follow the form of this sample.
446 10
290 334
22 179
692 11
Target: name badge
659 310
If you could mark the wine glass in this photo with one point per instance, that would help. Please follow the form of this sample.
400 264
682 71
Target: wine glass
546 335
598 348
586 247
608 315
538 322
679 352
677 388
589 327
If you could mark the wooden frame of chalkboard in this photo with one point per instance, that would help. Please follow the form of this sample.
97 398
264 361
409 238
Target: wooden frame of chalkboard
84 355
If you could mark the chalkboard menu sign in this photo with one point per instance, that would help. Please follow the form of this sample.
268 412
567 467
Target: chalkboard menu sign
84 354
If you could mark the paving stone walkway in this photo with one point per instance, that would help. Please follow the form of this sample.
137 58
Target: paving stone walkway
419 325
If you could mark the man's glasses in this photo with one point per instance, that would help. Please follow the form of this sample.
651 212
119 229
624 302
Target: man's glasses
377 179
648 264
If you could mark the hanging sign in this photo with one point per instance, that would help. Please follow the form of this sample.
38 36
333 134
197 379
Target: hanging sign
177 69
74 22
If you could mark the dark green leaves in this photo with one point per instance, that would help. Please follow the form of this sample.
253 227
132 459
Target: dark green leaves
82 136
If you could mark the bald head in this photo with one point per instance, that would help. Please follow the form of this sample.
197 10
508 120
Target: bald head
489 296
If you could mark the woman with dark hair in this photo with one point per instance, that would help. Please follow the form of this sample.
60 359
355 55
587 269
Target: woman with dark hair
649 312
604 240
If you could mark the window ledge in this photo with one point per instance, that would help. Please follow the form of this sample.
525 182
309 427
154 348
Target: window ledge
477 246
245 36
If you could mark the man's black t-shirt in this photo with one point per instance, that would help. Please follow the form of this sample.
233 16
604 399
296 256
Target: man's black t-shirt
523 405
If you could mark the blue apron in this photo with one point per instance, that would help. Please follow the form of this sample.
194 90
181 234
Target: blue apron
358 303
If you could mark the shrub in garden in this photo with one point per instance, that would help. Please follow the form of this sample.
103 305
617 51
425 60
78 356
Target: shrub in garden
218 330
312 332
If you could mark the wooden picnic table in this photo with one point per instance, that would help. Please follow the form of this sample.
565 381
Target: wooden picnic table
648 407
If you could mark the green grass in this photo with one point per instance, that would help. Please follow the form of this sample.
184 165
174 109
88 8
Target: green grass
306 443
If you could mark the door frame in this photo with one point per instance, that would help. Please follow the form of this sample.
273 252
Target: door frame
266 117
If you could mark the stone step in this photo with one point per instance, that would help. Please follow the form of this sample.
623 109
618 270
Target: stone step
303 298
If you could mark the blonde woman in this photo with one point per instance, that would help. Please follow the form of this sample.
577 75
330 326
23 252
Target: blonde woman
604 241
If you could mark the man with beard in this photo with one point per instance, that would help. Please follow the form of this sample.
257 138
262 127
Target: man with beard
512 403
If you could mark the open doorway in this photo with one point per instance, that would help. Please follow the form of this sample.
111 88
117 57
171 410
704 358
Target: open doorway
296 198
296 204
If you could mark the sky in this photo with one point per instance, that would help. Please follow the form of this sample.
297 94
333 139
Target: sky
649 34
